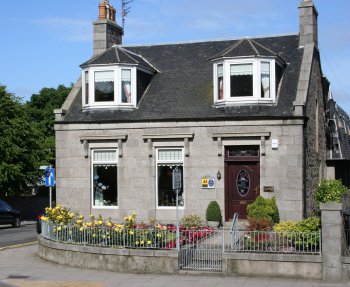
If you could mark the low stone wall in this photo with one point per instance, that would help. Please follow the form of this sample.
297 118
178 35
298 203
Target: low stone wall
274 265
118 260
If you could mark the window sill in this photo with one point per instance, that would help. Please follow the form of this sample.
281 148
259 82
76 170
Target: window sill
105 207
169 207
112 106
240 102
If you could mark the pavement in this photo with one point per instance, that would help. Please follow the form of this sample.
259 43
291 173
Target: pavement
22 267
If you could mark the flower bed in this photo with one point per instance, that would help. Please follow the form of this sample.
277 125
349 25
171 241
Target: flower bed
63 226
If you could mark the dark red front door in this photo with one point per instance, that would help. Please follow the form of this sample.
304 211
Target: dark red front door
242 184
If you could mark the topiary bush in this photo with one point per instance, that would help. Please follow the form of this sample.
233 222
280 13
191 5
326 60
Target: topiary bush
264 208
330 190
213 212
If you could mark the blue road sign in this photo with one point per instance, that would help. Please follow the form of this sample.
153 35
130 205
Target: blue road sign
50 176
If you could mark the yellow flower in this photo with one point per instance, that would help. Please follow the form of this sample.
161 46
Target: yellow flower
103 236
99 222
137 243
88 224
59 228
134 214
94 235
109 224
71 215
81 228
142 242
149 242
131 232
159 235
79 221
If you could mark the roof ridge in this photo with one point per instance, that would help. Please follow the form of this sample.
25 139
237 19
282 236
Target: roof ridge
262 46
255 49
117 53
138 55
229 49
126 53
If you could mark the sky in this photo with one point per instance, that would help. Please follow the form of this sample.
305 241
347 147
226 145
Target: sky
44 42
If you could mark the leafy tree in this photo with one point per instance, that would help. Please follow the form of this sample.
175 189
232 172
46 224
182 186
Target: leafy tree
20 146
40 110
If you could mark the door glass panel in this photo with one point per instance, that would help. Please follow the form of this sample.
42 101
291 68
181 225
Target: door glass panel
243 182
243 151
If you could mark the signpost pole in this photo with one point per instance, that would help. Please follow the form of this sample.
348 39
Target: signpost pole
50 196
177 221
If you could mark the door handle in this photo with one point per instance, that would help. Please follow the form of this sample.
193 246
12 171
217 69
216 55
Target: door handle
257 190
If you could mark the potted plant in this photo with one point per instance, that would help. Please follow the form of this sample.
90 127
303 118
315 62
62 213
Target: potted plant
213 214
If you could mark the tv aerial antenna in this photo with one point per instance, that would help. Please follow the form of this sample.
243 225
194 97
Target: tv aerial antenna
125 11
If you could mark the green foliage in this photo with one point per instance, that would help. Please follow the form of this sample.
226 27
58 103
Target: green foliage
285 227
40 109
263 208
299 232
191 221
213 212
26 137
330 190
20 148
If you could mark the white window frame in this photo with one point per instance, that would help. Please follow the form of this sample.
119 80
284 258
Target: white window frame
117 87
256 97
170 162
93 206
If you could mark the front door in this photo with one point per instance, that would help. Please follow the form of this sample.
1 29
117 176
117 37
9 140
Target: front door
242 180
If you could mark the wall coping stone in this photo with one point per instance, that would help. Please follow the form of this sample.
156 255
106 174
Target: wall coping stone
274 257
331 206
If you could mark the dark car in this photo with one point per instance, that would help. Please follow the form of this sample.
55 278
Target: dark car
38 222
9 215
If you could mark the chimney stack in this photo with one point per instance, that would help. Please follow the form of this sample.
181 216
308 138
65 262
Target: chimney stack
106 31
308 30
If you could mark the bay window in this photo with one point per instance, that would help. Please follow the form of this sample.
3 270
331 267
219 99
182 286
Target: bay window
113 86
246 81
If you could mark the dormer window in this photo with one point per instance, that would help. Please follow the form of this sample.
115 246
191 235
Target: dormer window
109 87
246 81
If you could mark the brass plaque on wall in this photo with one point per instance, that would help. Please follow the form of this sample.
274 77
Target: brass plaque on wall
268 189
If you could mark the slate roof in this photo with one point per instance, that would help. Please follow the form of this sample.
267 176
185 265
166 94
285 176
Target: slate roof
183 87
343 134
118 55
246 48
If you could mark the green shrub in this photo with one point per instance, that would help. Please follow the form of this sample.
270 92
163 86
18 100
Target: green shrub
330 190
310 224
191 221
263 208
213 212
285 227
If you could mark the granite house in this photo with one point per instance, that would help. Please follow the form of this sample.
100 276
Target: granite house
239 118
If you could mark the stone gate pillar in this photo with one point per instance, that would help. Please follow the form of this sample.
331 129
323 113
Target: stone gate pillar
331 218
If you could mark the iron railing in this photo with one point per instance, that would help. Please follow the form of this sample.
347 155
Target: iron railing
103 236
272 242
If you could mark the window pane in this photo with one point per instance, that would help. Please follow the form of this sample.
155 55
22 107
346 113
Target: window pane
105 155
170 154
166 195
265 80
86 87
104 86
220 82
126 86
105 185
241 80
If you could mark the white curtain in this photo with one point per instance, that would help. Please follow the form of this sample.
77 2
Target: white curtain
104 76
265 80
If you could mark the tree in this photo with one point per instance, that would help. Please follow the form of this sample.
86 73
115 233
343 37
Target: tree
20 146
40 110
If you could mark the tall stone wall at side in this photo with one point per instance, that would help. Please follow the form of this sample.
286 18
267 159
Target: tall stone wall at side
315 138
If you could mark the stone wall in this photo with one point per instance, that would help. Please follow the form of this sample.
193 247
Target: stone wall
315 137
280 168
